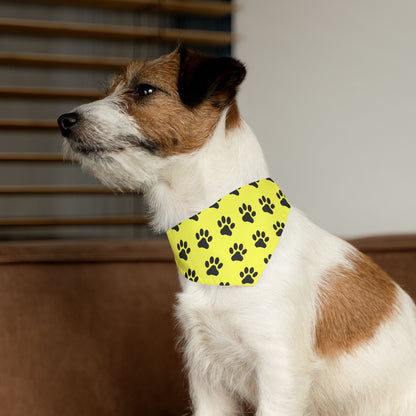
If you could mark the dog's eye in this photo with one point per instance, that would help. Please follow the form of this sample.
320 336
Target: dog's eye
144 90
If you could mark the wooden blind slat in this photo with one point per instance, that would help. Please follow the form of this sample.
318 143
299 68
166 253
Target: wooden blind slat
61 61
193 7
60 190
32 157
203 8
65 221
76 30
28 125
49 93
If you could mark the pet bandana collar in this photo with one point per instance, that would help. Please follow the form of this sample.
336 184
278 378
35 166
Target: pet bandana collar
230 243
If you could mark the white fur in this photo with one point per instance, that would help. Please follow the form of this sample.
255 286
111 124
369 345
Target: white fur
256 344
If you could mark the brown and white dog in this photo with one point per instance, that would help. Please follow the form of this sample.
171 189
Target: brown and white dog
324 331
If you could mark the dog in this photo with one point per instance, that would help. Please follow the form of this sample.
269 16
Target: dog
323 331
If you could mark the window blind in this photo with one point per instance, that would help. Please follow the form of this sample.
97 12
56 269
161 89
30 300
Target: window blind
55 55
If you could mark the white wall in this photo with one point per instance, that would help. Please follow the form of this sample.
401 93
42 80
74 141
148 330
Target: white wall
331 95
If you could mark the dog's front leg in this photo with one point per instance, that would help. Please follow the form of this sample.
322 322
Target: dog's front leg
283 383
210 400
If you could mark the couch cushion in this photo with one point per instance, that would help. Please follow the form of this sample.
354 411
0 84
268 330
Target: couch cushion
86 328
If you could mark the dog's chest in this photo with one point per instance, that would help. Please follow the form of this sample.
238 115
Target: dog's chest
215 342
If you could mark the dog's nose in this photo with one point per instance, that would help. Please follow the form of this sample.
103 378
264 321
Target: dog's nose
66 122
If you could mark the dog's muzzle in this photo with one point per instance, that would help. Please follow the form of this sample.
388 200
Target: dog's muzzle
67 122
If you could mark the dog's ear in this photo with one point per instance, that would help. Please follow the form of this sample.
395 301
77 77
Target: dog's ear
202 77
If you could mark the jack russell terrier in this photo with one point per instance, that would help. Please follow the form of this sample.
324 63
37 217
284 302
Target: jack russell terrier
275 312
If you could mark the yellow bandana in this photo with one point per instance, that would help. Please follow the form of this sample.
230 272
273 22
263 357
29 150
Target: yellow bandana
231 242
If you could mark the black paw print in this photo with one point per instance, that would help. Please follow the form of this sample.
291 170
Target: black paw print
226 225
260 238
283 200
216 205
255 184
278 227
225 284
176 228
203 238
266 259
266 204
248 275
191 275
237 252
213 265
184 250
236 192
247 212
195 217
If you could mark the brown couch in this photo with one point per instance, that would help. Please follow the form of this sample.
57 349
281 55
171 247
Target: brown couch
86 328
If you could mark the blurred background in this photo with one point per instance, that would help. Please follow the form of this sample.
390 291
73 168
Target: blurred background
330 93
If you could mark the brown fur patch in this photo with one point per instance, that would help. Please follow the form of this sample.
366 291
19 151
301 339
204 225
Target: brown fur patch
163 119
233 116
354 301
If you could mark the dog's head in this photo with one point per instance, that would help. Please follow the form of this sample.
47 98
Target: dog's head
154 110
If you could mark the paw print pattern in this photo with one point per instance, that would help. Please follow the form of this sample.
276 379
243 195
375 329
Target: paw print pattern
266 204
191 275
236 258
183 249
213 265
226 225
283 200
278 227
247 212
237 252
248 275
203 238
260 239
